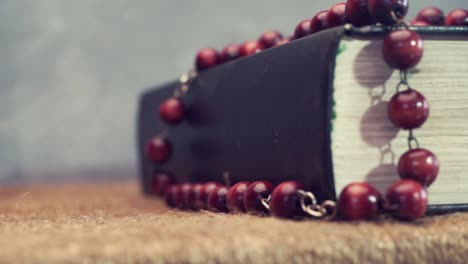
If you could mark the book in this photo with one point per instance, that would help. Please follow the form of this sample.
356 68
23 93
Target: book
314 110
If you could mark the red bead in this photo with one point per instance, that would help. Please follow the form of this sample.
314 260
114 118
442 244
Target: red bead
269 39
172 111
319 22
359 201
201 198
357 13
402 49
285 201
457 17
235 197
186 196
408 198
302 29
336 15
431 15
161 182
206 58
159 149
381 10
172 196
253 196
419 23
282 42
229 53
217 199
195 194
408 109
420 165
250 47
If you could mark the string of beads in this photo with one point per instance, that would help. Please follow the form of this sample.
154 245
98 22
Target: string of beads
356 12
408 110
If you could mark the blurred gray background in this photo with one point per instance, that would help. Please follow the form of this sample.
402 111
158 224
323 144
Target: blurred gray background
71 72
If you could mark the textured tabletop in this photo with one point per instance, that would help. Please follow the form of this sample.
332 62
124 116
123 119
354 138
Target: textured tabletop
113 223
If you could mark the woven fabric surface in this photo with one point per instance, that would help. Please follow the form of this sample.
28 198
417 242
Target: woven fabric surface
114 223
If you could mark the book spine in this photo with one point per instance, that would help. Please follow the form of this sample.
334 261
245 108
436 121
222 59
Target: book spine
264 117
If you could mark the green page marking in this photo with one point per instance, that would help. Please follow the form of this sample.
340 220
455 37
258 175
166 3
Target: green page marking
341 49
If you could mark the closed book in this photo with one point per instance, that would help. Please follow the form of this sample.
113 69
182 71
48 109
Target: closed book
314 110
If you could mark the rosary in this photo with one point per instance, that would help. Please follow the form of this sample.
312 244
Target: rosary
408 110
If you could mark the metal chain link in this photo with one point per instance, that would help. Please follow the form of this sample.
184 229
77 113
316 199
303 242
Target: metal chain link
412 138
325 210
185 82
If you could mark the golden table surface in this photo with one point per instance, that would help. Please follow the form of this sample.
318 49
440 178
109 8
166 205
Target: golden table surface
114 223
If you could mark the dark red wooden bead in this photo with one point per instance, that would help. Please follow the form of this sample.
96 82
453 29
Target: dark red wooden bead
419 23
195 194
269 39
229 53
402 49
235 197
357 13
285 201
172 196
201 198
302 29
359 201
217 199
250 47
431 15
282 42
457 17
186 196
172 111
408 109
381 10
420 165
319 22
408 198
159 149
161 182
253 196
336 15
206 58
